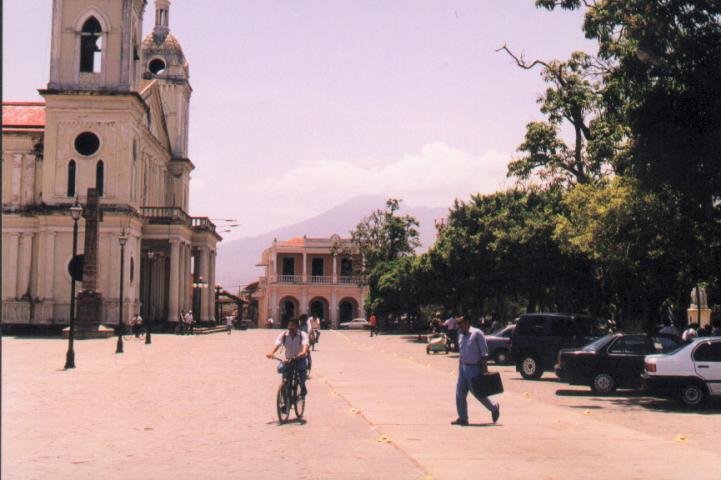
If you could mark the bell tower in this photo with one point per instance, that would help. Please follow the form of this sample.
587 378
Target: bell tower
96 45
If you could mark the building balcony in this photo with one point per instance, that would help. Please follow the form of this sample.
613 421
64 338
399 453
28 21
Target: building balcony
177 216
348 280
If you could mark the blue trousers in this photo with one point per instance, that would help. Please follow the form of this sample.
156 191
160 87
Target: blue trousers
466 373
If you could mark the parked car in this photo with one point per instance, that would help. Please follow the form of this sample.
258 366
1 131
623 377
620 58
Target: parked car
356 323
499 345
611 362
691 374
538 337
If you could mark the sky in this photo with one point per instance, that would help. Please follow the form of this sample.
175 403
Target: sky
299 105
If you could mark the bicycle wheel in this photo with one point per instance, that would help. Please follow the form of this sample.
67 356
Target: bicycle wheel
298 399
283 403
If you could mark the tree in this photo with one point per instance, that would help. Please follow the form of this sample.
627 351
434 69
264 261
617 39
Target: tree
573 96
663 82
383 239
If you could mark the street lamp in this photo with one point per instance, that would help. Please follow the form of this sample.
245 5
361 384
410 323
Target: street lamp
198 287
151 256
75 211
122 239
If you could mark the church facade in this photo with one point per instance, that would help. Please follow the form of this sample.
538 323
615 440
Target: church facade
115 118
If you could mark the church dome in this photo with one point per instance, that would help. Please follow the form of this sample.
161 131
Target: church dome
168 45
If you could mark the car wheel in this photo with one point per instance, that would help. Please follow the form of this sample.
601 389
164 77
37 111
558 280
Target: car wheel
530 368
500 356
692 395
603 383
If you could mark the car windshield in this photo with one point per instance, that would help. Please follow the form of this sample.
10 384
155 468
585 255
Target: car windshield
596 345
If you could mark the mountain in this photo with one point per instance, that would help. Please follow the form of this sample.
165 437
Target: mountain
235 265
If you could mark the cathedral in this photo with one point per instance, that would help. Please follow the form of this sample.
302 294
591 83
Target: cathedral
114 119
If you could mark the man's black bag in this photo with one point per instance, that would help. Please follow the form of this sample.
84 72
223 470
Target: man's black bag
488 383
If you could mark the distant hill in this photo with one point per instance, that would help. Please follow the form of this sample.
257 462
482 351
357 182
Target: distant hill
236 260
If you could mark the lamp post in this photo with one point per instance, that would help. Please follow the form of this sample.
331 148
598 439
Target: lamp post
75 211
151 256
122 239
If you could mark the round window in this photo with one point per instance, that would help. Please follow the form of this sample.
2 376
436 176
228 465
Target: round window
87 143
156 66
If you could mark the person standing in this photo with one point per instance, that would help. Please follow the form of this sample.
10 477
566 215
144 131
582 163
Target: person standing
229 323
189 323
473 362
669 329
451 325
373 322
690 333
137 324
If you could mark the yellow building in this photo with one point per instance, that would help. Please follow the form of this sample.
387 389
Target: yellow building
311 276
115 118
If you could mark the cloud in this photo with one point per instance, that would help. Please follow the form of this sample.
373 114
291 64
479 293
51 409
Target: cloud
434 177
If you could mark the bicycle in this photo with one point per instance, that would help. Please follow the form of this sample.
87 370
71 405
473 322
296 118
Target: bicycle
289 391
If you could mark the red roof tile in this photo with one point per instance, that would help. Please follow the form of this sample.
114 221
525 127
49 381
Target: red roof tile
23 115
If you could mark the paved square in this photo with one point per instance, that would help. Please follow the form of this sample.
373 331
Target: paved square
204 407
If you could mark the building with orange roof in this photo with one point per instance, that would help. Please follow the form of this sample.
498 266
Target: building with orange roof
115 118
314 276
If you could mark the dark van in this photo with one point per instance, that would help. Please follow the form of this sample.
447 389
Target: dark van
538 337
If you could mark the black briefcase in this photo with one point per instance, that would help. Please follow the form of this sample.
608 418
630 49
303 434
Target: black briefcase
487 384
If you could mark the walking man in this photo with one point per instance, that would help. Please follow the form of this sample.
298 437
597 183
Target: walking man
373 322
473 362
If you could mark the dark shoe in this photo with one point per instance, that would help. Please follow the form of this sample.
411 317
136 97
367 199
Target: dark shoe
459 421
496 413
303 393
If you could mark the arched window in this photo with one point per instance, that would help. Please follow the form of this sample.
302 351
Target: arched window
100 177
90 46
71 178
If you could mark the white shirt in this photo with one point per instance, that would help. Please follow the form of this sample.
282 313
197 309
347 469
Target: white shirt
229 321
688 334
293 345
188 317
451 323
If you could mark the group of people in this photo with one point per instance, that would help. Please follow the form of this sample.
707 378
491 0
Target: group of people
693 330
185 323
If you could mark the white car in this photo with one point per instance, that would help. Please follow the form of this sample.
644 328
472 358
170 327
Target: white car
356 323
692 373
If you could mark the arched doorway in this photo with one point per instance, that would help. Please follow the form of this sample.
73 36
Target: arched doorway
347 310
288 309
318 307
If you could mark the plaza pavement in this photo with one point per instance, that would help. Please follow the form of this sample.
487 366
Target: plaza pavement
203 407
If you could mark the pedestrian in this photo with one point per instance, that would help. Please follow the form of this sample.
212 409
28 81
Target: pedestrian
495 326
270 322
189 323
690 333
473 361
372 323
314 323
451 325
716 330
669 329
137 324
305 327
229 323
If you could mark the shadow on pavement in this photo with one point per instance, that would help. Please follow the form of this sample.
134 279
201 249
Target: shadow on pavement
589 393
542 379
414 338
666 405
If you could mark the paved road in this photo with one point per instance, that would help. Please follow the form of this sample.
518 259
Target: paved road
203 407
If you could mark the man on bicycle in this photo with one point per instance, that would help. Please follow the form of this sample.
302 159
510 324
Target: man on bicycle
295 344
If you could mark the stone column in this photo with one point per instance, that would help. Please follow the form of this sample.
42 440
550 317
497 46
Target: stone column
204 260
333 309
46 265
184 273
28 180
26 254
10 266
175 288
211 285
303 270
335 269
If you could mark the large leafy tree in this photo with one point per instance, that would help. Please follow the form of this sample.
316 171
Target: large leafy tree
572 98
663 80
